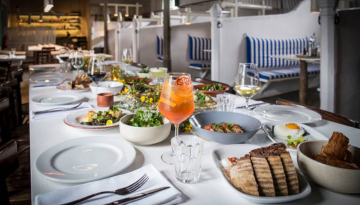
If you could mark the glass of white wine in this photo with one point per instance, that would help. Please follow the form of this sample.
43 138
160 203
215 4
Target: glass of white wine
247 82
127 58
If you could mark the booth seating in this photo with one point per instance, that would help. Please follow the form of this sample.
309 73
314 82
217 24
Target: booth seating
261 51
160 48
200 54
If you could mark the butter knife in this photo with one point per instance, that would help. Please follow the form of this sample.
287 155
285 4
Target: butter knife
137 196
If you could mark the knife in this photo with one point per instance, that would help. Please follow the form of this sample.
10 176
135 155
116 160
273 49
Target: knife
136 196
252 105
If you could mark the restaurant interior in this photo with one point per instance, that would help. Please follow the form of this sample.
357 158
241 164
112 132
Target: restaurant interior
179 102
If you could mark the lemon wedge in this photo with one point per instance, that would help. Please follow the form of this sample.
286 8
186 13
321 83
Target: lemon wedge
109 122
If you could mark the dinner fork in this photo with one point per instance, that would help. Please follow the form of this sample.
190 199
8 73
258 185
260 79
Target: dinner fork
122 191
57 109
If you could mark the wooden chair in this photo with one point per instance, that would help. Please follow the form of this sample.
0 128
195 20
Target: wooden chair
43 57
206 81
15 175
24 106
9 124
5 71
324 114
5 125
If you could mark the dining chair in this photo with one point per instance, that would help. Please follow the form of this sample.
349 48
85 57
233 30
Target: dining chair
18 74
15 175
15 99
43 57
206 81
19 132
5 127
5 71
324 114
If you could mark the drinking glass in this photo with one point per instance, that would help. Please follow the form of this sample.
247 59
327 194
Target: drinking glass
225 102
96 71
127 58
77 60
12 52
187 155
247 83
64 56
158 73
176 102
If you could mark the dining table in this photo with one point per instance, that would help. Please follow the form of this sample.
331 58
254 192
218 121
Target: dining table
212 188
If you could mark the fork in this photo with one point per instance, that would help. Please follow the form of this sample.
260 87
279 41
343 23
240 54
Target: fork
57 109
122 191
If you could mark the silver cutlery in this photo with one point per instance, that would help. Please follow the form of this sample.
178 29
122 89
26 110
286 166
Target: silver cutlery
58 109
257 104
267 131
122 191
48 85
138 196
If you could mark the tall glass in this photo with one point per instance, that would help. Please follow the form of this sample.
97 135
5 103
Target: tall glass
77 60
247 82
96 72
127 58
64 56
176 102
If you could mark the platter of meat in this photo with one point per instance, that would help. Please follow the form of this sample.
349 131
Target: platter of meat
261 174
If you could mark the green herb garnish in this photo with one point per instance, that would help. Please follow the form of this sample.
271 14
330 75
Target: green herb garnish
146 118
295 142
213 87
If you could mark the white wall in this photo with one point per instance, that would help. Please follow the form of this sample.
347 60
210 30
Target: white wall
148 44
298 23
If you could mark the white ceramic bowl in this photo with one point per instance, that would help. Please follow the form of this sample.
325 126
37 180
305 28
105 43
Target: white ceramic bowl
143 75
335 179
107 87
144 135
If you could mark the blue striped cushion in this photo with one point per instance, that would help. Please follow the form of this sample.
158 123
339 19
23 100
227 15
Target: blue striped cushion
197 46
198 65
285 73
259 50
160 58
160 45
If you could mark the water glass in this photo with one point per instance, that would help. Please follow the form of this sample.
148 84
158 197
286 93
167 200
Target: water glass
187 154
12 52
92 52
225 102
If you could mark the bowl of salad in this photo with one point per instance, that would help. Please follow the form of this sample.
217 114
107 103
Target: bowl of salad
211 89
145 127
144 73
137 80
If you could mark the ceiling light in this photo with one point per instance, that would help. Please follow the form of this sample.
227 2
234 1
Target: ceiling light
315 6
120 18
116 11
127 12
48 4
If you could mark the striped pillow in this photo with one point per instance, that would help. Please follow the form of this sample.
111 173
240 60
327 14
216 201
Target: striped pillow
259 51
197 46
160 45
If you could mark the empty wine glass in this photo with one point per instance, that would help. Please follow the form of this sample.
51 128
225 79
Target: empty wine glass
96 71
77 60
247 83
127 58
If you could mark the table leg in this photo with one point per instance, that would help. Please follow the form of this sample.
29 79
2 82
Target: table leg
303 94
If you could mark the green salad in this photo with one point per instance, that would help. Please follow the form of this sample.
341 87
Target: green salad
144 70
146 118
293 143
137 80
212 87
202 100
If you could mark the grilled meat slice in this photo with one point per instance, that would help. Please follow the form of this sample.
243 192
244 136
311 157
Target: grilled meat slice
278 174
263 176
332 161
242 176
290 173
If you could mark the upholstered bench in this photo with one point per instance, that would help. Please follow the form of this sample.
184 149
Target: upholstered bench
200 54
264 52
160 48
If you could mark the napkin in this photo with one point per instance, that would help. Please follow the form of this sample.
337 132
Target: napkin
240 101
156 180
33 116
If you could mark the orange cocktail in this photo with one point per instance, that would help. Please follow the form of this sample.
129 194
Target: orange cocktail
177 98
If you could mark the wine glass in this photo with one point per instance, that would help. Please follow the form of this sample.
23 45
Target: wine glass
77 60
127 58
176 103
158 73
64 56
247 82
96 71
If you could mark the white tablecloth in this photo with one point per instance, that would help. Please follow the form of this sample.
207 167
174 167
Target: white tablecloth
211 189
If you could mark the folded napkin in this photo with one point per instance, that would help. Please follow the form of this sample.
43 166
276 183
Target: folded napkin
42 116
156 180
241 102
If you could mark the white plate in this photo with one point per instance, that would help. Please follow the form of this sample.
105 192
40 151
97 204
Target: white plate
74 119
85 159
313 135
53 99
44 80
238 150
287 114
